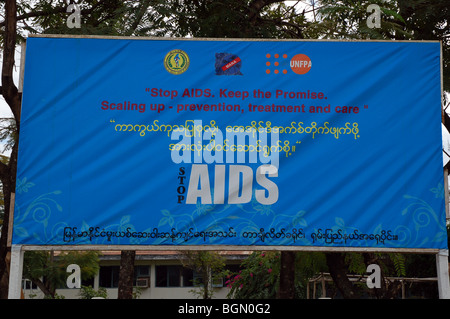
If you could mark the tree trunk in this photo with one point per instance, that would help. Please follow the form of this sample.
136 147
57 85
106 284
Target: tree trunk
206 281
126 274
287 275
338 271
12 97
44 288
388 290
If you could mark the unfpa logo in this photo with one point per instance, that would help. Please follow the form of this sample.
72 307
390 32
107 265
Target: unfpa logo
300 64
280 64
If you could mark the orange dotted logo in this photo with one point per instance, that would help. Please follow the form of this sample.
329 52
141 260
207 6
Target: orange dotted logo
300 64
276 63
280 64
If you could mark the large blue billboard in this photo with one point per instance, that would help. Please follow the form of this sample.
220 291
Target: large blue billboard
230 142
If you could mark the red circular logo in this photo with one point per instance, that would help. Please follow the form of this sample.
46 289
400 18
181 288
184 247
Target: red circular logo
300 63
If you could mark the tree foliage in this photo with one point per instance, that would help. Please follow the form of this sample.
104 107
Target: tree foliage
210 264
87 292
259 277
49 272
400 20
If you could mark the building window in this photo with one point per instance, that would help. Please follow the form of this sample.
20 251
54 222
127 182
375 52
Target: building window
168 276
173 276
28 284
188 277
109 276
141 272
87 282
197 279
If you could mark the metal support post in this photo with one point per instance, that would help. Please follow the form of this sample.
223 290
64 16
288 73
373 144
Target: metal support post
15 273
442 273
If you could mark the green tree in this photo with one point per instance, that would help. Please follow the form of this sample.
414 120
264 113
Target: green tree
347 19
13 98
210 264
259 277
342 264
429 20
87 292
49 272
400 20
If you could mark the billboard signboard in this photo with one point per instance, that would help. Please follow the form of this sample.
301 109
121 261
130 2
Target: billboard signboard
230 142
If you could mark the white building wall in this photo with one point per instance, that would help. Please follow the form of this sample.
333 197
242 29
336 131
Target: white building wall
151 292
